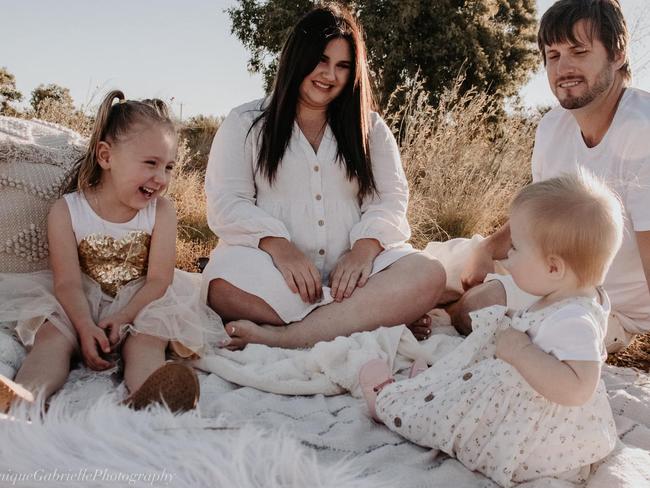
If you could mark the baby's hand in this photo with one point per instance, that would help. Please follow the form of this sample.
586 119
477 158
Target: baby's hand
511 342
90 338
112 326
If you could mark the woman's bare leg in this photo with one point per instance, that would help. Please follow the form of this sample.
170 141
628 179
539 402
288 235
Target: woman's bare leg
232 303
143 354
399 294
47 364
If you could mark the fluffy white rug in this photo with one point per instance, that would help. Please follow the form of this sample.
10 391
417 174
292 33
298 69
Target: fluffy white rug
107 445
244 437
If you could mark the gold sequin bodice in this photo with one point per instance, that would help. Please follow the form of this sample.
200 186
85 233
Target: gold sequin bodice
114 262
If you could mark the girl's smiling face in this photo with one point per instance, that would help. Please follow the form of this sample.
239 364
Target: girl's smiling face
138 168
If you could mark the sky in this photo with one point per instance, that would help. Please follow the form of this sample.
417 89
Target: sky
180 51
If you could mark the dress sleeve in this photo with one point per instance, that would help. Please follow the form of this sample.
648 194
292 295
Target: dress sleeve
383 216
571 334
230 188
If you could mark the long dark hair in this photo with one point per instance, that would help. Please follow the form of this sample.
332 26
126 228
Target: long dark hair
348 115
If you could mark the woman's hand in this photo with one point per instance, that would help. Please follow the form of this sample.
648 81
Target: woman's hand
353 268
112 325
510 343
91 338
298 271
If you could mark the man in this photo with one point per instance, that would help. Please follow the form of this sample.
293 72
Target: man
602 125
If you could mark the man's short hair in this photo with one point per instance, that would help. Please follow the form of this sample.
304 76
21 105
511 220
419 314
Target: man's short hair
605 18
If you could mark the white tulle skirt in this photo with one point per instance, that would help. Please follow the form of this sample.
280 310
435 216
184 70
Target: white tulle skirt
178 316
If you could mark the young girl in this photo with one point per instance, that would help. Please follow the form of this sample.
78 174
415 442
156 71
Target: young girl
521 397
112 281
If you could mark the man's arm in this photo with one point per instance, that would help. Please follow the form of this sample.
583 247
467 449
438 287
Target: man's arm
481 261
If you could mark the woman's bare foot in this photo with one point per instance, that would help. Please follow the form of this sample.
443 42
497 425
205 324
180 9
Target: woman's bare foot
243 332
421 328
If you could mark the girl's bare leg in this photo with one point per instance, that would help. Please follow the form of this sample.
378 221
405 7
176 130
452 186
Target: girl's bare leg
142 354
399 294
232 303
47 364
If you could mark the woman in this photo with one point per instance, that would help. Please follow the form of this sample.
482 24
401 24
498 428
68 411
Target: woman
307 188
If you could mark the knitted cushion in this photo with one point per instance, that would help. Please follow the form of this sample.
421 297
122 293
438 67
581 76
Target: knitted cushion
36 159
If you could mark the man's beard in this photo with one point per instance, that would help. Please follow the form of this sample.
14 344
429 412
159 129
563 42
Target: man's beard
603 81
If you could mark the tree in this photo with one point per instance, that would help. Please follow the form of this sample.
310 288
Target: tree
491 41
47 95
8 92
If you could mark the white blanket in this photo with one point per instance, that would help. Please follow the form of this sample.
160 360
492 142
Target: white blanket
85 429
329 368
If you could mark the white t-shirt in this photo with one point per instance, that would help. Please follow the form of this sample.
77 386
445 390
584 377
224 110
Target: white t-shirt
622 159
571 330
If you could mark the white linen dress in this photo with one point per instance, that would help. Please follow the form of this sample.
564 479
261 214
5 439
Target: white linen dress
480 410
311 203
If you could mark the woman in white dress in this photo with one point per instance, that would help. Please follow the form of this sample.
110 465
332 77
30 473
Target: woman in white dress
306 189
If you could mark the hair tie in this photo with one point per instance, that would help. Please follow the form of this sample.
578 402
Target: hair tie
123 100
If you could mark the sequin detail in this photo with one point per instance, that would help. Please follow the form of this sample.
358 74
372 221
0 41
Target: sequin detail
114 262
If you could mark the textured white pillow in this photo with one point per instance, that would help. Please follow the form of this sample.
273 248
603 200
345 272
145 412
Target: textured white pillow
36 158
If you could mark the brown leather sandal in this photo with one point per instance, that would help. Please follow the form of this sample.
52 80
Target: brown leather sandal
173 384
10 391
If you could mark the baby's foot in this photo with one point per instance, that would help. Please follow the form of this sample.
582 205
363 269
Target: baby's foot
243 332
418 366
11 392
373 376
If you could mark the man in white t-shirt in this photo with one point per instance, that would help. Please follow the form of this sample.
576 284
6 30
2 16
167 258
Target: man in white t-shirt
601 125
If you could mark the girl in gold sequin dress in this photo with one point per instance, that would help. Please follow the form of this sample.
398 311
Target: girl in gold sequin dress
521 398
112 282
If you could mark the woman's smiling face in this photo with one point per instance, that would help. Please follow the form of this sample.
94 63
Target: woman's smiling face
328 79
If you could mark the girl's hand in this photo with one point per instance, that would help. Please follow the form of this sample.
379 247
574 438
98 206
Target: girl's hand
510 343
90 338
354 268
298 271
112 325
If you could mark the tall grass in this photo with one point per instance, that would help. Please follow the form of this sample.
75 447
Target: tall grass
194 238
464 160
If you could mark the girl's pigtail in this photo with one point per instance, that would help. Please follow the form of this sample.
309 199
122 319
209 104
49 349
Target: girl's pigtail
88 172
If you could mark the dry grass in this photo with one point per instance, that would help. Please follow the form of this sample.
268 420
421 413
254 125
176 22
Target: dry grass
463 159
52 110
194 238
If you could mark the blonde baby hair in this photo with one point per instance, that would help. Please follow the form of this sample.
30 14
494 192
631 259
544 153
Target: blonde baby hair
576 217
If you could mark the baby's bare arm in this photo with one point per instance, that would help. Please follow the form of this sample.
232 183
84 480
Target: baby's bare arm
570 383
